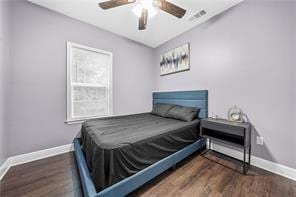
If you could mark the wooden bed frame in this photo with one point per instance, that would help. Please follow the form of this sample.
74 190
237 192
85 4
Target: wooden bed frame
198 98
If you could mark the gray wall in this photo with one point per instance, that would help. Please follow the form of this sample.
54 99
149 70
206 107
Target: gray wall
244 57
37 92
4 63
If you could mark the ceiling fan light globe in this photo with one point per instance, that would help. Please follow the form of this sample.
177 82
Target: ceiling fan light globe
138 10
146 2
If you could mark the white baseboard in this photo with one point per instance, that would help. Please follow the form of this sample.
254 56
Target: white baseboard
4 168
33 156
258 162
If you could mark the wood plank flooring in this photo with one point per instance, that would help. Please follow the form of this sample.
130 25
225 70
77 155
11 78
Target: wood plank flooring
196 176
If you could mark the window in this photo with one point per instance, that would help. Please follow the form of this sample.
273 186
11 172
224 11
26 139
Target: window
89 82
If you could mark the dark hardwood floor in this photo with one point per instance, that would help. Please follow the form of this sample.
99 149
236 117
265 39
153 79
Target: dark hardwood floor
196 176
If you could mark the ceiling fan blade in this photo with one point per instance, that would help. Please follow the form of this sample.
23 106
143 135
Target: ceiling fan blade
170 8
143 19
114 3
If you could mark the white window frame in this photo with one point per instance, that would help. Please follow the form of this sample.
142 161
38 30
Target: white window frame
71 120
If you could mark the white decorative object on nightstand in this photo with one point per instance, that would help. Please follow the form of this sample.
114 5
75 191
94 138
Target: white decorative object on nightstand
235 114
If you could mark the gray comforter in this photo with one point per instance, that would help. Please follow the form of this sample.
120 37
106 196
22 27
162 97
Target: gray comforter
118 147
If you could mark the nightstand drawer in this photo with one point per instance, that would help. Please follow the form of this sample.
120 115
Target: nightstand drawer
230 129
223 136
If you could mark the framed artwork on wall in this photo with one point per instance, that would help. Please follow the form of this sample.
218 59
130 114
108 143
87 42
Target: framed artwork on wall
175 60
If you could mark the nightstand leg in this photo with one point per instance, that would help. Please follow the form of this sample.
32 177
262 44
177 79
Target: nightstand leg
249 155
208 149
244 167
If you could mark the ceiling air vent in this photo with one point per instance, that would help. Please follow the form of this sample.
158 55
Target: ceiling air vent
197 15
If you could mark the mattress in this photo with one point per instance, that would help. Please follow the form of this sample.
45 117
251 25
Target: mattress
118 147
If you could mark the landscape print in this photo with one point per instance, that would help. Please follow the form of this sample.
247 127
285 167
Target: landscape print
176 60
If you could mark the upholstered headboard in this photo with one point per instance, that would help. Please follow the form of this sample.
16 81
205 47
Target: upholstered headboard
195 98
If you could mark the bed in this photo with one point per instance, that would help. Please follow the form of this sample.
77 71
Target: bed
119 154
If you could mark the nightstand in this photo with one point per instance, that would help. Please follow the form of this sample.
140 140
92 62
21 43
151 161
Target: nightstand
232 133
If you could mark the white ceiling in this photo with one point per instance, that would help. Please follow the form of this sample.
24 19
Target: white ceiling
121 20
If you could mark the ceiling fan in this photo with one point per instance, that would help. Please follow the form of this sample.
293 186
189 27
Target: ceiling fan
146 8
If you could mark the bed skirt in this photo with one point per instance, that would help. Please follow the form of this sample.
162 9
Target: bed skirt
133 182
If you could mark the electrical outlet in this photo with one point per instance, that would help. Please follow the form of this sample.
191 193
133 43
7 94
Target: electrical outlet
260 140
